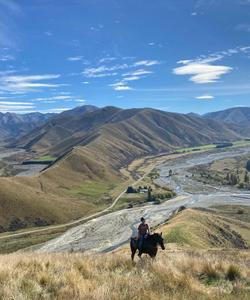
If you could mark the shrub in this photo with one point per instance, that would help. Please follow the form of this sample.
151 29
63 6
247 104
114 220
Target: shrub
233 273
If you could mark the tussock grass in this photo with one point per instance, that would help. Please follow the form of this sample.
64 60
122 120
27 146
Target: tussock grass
173 275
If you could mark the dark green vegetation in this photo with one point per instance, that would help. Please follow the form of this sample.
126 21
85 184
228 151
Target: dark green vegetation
146 191
229 171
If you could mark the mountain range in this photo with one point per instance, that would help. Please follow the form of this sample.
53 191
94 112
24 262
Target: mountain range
15 125
92 145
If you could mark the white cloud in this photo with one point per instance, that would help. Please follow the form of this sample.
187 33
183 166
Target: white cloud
131 78
106 59
14 103
7 58
85 82
146 63
103 71
243 27
48 33
75 58
80 100
10 108
120 86
205 97
137 73
20 83
201 70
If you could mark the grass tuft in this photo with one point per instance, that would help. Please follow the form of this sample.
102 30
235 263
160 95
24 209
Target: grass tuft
233 273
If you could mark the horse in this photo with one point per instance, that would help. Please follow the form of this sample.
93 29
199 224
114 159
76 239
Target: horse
150 245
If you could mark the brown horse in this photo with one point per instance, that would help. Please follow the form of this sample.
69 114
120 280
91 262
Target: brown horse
150 245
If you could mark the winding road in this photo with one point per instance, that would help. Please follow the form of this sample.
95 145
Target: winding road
110 231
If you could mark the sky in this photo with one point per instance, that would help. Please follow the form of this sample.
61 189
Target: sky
173 55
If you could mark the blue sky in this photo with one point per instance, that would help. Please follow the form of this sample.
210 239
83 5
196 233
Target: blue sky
174 55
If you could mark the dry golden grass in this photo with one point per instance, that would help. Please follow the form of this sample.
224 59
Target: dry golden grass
203 229
173 275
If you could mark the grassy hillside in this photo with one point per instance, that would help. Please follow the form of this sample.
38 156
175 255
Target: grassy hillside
92 145
221 227
144 130
183 275
78 185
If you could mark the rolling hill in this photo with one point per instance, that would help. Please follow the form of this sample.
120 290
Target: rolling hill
142 131
92 145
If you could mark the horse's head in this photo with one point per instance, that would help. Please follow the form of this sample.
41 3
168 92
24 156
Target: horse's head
159 240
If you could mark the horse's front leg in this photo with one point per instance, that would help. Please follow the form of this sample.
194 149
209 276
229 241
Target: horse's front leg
133 254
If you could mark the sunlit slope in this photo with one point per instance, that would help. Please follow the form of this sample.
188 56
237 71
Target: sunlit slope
176 275
145 130
76 186
226 227
92 145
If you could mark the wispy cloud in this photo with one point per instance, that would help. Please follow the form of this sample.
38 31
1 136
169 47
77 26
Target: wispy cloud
8 28
146 63
103 71
14 103
205 97
60 97
7 57
21 84
202 72
15 106
48 33
75 58
80 100
107 59
120 86
243 27
11 6
138 72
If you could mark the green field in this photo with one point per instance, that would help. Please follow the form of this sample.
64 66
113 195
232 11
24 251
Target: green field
240 143
196 148
46 158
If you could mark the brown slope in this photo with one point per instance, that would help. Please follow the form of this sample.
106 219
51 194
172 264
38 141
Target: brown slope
147 129
150 132
56 129
106 140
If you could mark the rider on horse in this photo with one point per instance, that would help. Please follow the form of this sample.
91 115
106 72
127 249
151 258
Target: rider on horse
143 232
